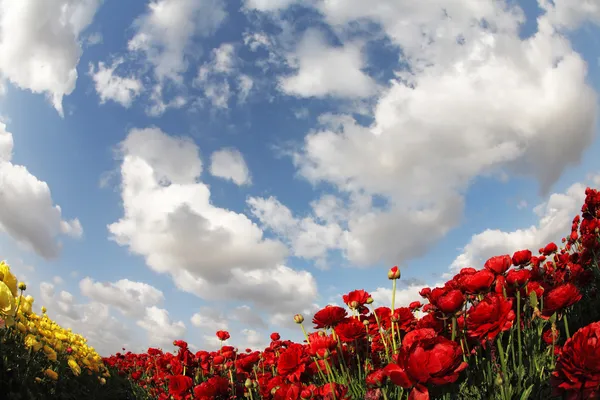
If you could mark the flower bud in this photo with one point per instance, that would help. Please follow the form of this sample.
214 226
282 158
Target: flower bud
394 273
370 300
22 286
298 318
248 383
499 380
44 310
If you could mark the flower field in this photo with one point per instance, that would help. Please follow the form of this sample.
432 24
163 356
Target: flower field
524 326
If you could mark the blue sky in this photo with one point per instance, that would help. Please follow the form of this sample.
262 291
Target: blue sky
225 165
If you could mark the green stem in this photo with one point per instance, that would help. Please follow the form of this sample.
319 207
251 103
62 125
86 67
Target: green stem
567 326
393 304
519 327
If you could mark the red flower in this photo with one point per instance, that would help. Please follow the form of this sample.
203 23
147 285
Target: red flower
560 297
577 373
331 391
275 336
426 358
376 378
447 301
394 273
518 277
550 248
415 305
488 318
404 318
498 264
291 362
223 335
329 317
320 344
356 298
350 330
476 282
180 385
213 387
521 257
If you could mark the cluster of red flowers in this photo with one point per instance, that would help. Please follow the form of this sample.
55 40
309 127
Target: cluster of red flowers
370 351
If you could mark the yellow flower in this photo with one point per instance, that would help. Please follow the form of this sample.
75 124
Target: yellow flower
22 286
74 367
8 278
30 341
51 374
50 353
44 310
7 300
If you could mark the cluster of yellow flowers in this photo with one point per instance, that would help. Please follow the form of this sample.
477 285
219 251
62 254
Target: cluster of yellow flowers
40 333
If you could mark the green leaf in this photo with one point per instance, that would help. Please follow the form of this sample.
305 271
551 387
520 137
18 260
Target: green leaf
527 393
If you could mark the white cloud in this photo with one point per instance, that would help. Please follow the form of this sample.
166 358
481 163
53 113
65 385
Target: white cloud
229 164
306 237
27 212
92 320
165 33
521 204
109 86
268 5
209 251
58 280
157 106
555 218
324 70
215 78
210 319
94 39
161 330
131 298
571 14
40 46
245 85
246 316
404 296
492 104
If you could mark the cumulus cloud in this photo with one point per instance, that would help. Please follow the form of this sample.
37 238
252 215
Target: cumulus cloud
27 212
40 44
166 31
161 330
131 298
229 164
214 253
268 5
109 86
91 320
476 100
219 79
316 77
555 218
571 14
210 319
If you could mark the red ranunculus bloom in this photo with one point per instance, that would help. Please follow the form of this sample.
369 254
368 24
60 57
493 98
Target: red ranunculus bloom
356 298
560 297
376 378
213 387
404 317
447 301
477 282
521 257
549 249
498 264
425 358
577 374
291 362
275 336
180 385
489 317
518 277
223 335
329 317
350 330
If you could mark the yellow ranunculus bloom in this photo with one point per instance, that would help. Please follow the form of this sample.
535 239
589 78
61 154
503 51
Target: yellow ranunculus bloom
8 278
51 374
74 367
7 300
